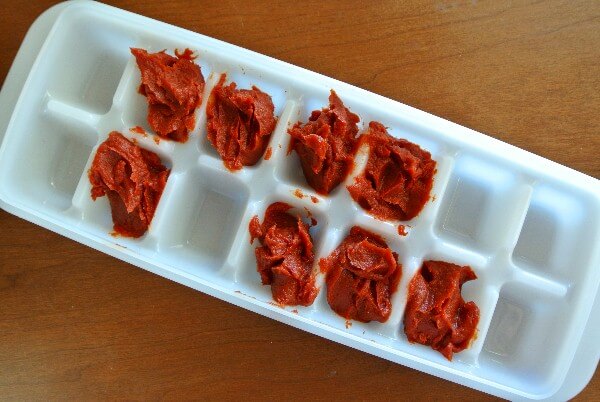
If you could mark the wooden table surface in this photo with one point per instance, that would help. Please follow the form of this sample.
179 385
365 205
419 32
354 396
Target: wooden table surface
77 323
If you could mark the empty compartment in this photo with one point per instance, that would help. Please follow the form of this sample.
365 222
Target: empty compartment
537 238
86 61
527 345
200 220
46 162
465 209
481 205
555 225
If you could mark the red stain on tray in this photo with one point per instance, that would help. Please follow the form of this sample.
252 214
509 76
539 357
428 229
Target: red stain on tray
138 130
348 324
314 199
309 214
298 193
268 153
402 230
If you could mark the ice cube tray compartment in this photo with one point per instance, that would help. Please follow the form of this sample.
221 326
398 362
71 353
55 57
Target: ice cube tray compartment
207 199
524 340
518 226
56 154
94 76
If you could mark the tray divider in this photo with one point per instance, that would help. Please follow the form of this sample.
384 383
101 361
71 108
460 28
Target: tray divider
72 113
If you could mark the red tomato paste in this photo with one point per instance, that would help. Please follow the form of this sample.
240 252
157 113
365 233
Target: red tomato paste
361 275
132 178
268 153
285 258
397 179
240 123
173 87
436 314
326 145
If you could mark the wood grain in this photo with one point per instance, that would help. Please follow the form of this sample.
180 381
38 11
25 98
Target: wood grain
76 323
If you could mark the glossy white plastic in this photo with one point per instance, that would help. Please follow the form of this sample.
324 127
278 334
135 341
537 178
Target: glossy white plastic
528 227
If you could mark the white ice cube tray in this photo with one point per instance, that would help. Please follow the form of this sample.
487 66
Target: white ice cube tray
528 227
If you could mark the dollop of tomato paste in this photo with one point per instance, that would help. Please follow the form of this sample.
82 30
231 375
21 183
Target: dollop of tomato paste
361 275
240 123
132 178
285 258
397 179
173 87
326 144
436 314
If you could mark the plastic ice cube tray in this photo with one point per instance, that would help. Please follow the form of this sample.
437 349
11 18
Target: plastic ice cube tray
528 227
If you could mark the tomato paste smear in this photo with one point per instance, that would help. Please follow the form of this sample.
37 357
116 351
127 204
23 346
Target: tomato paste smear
285 258
397 179
326 144
362 273
173 87
239 123
436 314
132 178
